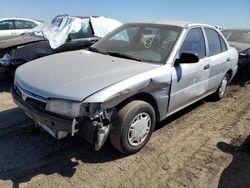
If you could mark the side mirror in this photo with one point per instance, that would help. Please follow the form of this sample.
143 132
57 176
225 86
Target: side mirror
188 57
69 39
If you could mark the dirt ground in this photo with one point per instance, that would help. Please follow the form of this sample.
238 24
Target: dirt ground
205 145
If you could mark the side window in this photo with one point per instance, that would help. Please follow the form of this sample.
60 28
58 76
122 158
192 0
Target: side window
7 25
214 43
22 24
194 42
85 31
223 45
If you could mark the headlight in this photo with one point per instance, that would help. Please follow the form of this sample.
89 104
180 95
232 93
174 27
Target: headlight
63 107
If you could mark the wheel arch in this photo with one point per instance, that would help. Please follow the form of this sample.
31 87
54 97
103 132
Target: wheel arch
146 97
230 74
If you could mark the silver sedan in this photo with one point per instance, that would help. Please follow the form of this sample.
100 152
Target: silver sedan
135 76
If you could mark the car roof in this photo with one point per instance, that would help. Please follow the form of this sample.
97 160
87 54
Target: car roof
179 23
13 18
85 17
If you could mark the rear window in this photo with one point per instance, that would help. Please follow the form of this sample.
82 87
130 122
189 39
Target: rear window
242 36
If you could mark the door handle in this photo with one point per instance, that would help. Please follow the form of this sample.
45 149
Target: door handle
228 60
206 66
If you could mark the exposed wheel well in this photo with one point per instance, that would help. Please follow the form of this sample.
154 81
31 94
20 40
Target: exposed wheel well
144 97
230 73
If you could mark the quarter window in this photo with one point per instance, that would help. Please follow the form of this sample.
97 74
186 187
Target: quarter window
194 42
7 25
214 42
223 45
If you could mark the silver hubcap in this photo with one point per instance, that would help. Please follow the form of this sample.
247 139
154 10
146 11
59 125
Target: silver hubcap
223 87
139 129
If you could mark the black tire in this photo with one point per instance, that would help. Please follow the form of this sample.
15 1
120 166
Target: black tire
218 95
120 132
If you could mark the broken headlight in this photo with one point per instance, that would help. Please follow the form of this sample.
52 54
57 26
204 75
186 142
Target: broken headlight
64 107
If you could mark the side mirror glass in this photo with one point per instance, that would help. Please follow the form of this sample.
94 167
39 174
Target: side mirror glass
188 57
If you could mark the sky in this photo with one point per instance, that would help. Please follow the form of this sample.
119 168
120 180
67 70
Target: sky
224 13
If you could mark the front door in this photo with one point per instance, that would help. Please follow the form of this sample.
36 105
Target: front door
190 80
7 27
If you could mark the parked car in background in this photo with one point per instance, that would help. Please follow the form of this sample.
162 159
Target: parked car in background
219 28
63 33
240 39
135 76
16 26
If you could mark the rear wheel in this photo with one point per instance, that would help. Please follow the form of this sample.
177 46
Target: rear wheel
133 127
221 91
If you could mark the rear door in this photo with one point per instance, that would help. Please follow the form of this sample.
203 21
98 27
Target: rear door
190 80
218 57
24 25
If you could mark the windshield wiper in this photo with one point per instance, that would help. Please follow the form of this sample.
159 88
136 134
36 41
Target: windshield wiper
117 54
96 50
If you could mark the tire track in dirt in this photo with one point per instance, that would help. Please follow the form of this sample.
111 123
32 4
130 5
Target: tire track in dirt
181 150
183 153
185 156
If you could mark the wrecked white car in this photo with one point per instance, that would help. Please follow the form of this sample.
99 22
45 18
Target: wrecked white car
136 76
16 26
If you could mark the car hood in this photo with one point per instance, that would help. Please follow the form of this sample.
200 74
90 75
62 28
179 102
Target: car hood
16 40
76 75
239 46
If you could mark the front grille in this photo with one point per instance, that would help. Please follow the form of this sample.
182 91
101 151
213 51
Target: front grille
39 105
18 92
35 104
31 99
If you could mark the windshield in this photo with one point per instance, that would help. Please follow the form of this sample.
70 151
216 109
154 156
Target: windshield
143 42
242 36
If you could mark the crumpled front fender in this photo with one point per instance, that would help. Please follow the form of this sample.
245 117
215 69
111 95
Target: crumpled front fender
155 83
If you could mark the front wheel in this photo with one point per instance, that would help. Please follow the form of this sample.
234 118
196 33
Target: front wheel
133 127
221 91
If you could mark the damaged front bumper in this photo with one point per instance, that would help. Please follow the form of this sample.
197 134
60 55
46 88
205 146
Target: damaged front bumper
95 131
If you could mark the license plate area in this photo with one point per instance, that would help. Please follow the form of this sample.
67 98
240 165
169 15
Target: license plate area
53 132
